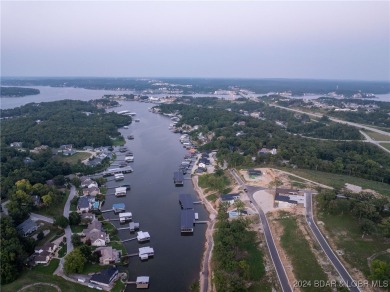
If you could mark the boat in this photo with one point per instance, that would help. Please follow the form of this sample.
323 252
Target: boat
125 127
130 137
136 120
129 158
119 176
142 282
120 192
123 217
126 186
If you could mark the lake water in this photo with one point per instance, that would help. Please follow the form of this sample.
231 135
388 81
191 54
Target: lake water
153 198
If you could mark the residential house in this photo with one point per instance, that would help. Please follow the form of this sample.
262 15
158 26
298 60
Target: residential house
27 227
108 255
43 254
16 144
264 151
94 234
289 197
91 190
87 218
83 204
105 277
230 198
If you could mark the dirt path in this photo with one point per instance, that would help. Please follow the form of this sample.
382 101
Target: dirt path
41 284
205 277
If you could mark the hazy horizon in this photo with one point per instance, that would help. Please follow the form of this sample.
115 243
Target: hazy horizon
333 40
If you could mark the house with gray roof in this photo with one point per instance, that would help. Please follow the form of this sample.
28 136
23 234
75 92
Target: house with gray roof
27 227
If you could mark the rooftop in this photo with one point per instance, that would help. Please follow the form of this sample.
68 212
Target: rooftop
186 201
187 219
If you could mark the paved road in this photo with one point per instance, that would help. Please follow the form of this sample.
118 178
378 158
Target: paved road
335 120
326 248
36 217
377 143
280 271
68 231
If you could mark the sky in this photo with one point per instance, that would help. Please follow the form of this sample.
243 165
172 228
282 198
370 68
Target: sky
223 39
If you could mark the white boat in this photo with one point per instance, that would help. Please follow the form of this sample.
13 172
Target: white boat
119 176
123 217
120 192
129 158
142 282
143 236
125 127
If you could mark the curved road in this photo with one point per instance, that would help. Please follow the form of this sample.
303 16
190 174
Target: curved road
280 271
348 281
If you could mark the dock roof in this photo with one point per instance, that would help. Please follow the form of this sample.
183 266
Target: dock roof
178 176
186 201
118 206
187 219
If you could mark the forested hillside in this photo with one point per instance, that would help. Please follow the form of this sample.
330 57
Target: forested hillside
61 122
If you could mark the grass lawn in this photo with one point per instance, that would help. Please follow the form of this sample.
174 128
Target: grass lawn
377 136
49 269
345 232
94 268
212 197
77 228
62 251
118 246
74 158
119 141
305 265
339 180
386 145
56 209
119 286
42 274
54 233
40 288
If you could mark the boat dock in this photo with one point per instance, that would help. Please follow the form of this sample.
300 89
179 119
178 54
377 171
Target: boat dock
178 178
142 282
113 171
132 226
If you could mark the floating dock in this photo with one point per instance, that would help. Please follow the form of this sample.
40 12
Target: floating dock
187 221
126 216
178 178
186 202
119 207
143 236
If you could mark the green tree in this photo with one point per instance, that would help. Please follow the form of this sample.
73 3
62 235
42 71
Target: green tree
74 218
61 221
74 262
380 270
47 200
76 240
12 253
20 205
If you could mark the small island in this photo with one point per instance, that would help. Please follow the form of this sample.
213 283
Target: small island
17 91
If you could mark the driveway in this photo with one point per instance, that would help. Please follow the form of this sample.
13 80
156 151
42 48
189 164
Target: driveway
68 231
36 217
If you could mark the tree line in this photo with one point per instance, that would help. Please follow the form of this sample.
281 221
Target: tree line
351 158
61 122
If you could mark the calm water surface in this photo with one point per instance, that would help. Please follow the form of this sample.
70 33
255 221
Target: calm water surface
153 198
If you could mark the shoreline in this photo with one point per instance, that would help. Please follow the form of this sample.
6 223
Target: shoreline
205 279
